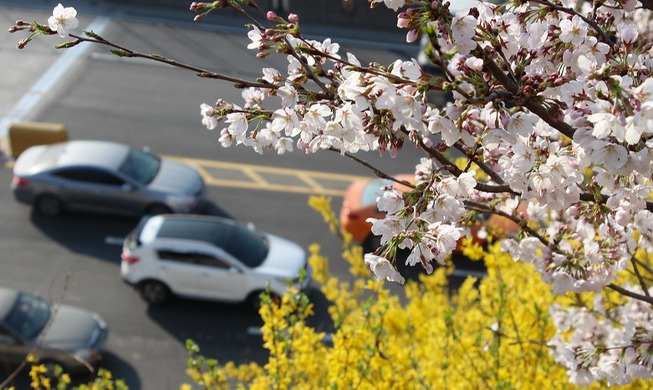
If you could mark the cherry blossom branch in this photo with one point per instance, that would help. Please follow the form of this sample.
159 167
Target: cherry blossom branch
481 164
483 208
589 197
639 276
377 172
628 293
647 4
529 103
122 51
454 170
646 266
570 11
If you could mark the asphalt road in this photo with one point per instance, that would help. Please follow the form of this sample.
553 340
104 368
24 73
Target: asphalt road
75 258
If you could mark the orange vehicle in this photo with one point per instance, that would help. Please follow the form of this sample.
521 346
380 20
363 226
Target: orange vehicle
359 204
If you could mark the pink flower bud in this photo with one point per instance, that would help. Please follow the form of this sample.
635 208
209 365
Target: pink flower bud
272 16
293 18
402 22
412 35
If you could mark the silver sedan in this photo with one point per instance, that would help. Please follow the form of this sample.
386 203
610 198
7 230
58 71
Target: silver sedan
104 177
62 335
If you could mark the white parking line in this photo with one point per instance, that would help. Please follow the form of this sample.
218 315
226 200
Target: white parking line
26 105
110 240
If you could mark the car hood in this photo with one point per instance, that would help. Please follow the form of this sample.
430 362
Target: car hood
285 258
73 329
175 177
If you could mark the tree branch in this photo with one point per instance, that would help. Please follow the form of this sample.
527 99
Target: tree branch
377 172
122 51
631 294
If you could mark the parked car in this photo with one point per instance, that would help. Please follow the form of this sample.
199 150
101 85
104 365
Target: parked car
207 257
359 204
56 334
104 177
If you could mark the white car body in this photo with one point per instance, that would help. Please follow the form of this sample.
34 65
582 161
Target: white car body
193 267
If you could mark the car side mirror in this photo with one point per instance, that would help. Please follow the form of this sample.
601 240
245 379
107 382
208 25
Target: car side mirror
127 187
234 270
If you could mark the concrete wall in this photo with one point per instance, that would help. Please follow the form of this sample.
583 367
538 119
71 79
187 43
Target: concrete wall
337 13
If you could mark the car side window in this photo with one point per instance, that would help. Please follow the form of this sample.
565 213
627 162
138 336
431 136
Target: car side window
91 176
170 255
211 261
204 259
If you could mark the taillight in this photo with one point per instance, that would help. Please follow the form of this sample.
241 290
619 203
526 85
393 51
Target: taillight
18 181
129 259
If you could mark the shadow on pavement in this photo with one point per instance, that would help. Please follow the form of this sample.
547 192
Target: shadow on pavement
222 331
227 332
97 236
114 363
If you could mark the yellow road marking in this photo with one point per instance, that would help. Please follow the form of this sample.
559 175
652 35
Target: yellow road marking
259 177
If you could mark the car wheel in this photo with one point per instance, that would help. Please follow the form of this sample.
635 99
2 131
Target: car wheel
153 292
51 368
49 205
371 243
157 209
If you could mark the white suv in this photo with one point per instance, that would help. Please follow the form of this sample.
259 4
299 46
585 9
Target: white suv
210 258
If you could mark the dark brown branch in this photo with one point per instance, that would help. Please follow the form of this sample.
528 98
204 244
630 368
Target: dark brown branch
530 104
483 208
631 294
125 52
552 120
377 172
570 11
481 164
640 278
647 4
588 197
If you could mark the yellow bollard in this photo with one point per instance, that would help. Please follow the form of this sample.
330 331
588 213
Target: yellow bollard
22 135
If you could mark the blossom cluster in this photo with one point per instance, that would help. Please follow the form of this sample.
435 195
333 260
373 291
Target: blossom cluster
552 107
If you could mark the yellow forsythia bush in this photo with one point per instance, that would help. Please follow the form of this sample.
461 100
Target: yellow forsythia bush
489 334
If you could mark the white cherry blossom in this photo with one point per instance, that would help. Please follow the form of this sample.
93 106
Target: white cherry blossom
63 20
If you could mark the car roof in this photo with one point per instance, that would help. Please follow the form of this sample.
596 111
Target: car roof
213 230
7 301
101 154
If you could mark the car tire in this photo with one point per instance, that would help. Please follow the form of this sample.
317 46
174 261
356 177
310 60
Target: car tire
154 292
50 368
371 243
157 209
49 205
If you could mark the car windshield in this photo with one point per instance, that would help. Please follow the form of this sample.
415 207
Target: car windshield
140 165
29 316
373 190
246 245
